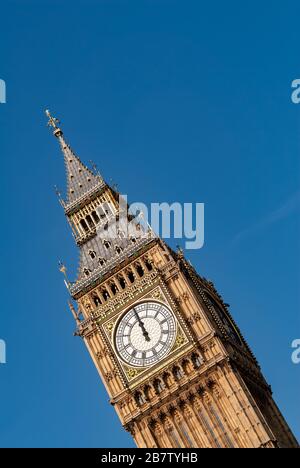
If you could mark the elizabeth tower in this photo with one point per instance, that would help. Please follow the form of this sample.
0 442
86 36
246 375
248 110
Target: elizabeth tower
174 363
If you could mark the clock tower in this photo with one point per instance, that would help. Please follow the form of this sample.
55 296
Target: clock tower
174 363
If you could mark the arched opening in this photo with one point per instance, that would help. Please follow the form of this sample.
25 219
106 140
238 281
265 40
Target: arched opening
95 217
148 265
196 360
167 379
106 244
159 386
130 276
178 373
84 225
107 208
92 254
139 270
102 214
90 221
118 250
105 294
122 282
113 288
96 299
139 398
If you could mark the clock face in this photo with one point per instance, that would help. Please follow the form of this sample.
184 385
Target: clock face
145 334
232 333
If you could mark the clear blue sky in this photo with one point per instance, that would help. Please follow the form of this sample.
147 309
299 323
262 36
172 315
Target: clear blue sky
175 101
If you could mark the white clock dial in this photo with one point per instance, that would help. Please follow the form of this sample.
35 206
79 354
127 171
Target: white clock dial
145 334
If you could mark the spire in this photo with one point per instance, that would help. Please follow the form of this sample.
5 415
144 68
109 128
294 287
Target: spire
80 179
74 313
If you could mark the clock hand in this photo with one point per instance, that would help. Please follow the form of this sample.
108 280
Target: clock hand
141 324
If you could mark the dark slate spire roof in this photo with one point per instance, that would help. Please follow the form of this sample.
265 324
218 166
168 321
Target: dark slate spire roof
119 246
91 269
80 179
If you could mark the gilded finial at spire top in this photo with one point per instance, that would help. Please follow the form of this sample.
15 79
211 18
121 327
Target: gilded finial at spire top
52 122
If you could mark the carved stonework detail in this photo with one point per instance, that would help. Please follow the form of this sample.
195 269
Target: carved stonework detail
99 355
110 375
196 316
87 305
130 428
123 297
189 321
132 372
180 340
162 416
109 326
122 404
157 294
185 296
171 410
178 300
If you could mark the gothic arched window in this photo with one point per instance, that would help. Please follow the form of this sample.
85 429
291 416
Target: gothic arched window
178 373
148 264
140 398
92 254
105 294
122 282
96 299
196 360
95 217
130 276
84 225
113 288
158 385
90 221
101 261
140 270
106 244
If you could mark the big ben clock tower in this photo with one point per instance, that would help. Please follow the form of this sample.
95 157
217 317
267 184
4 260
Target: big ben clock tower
174 363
